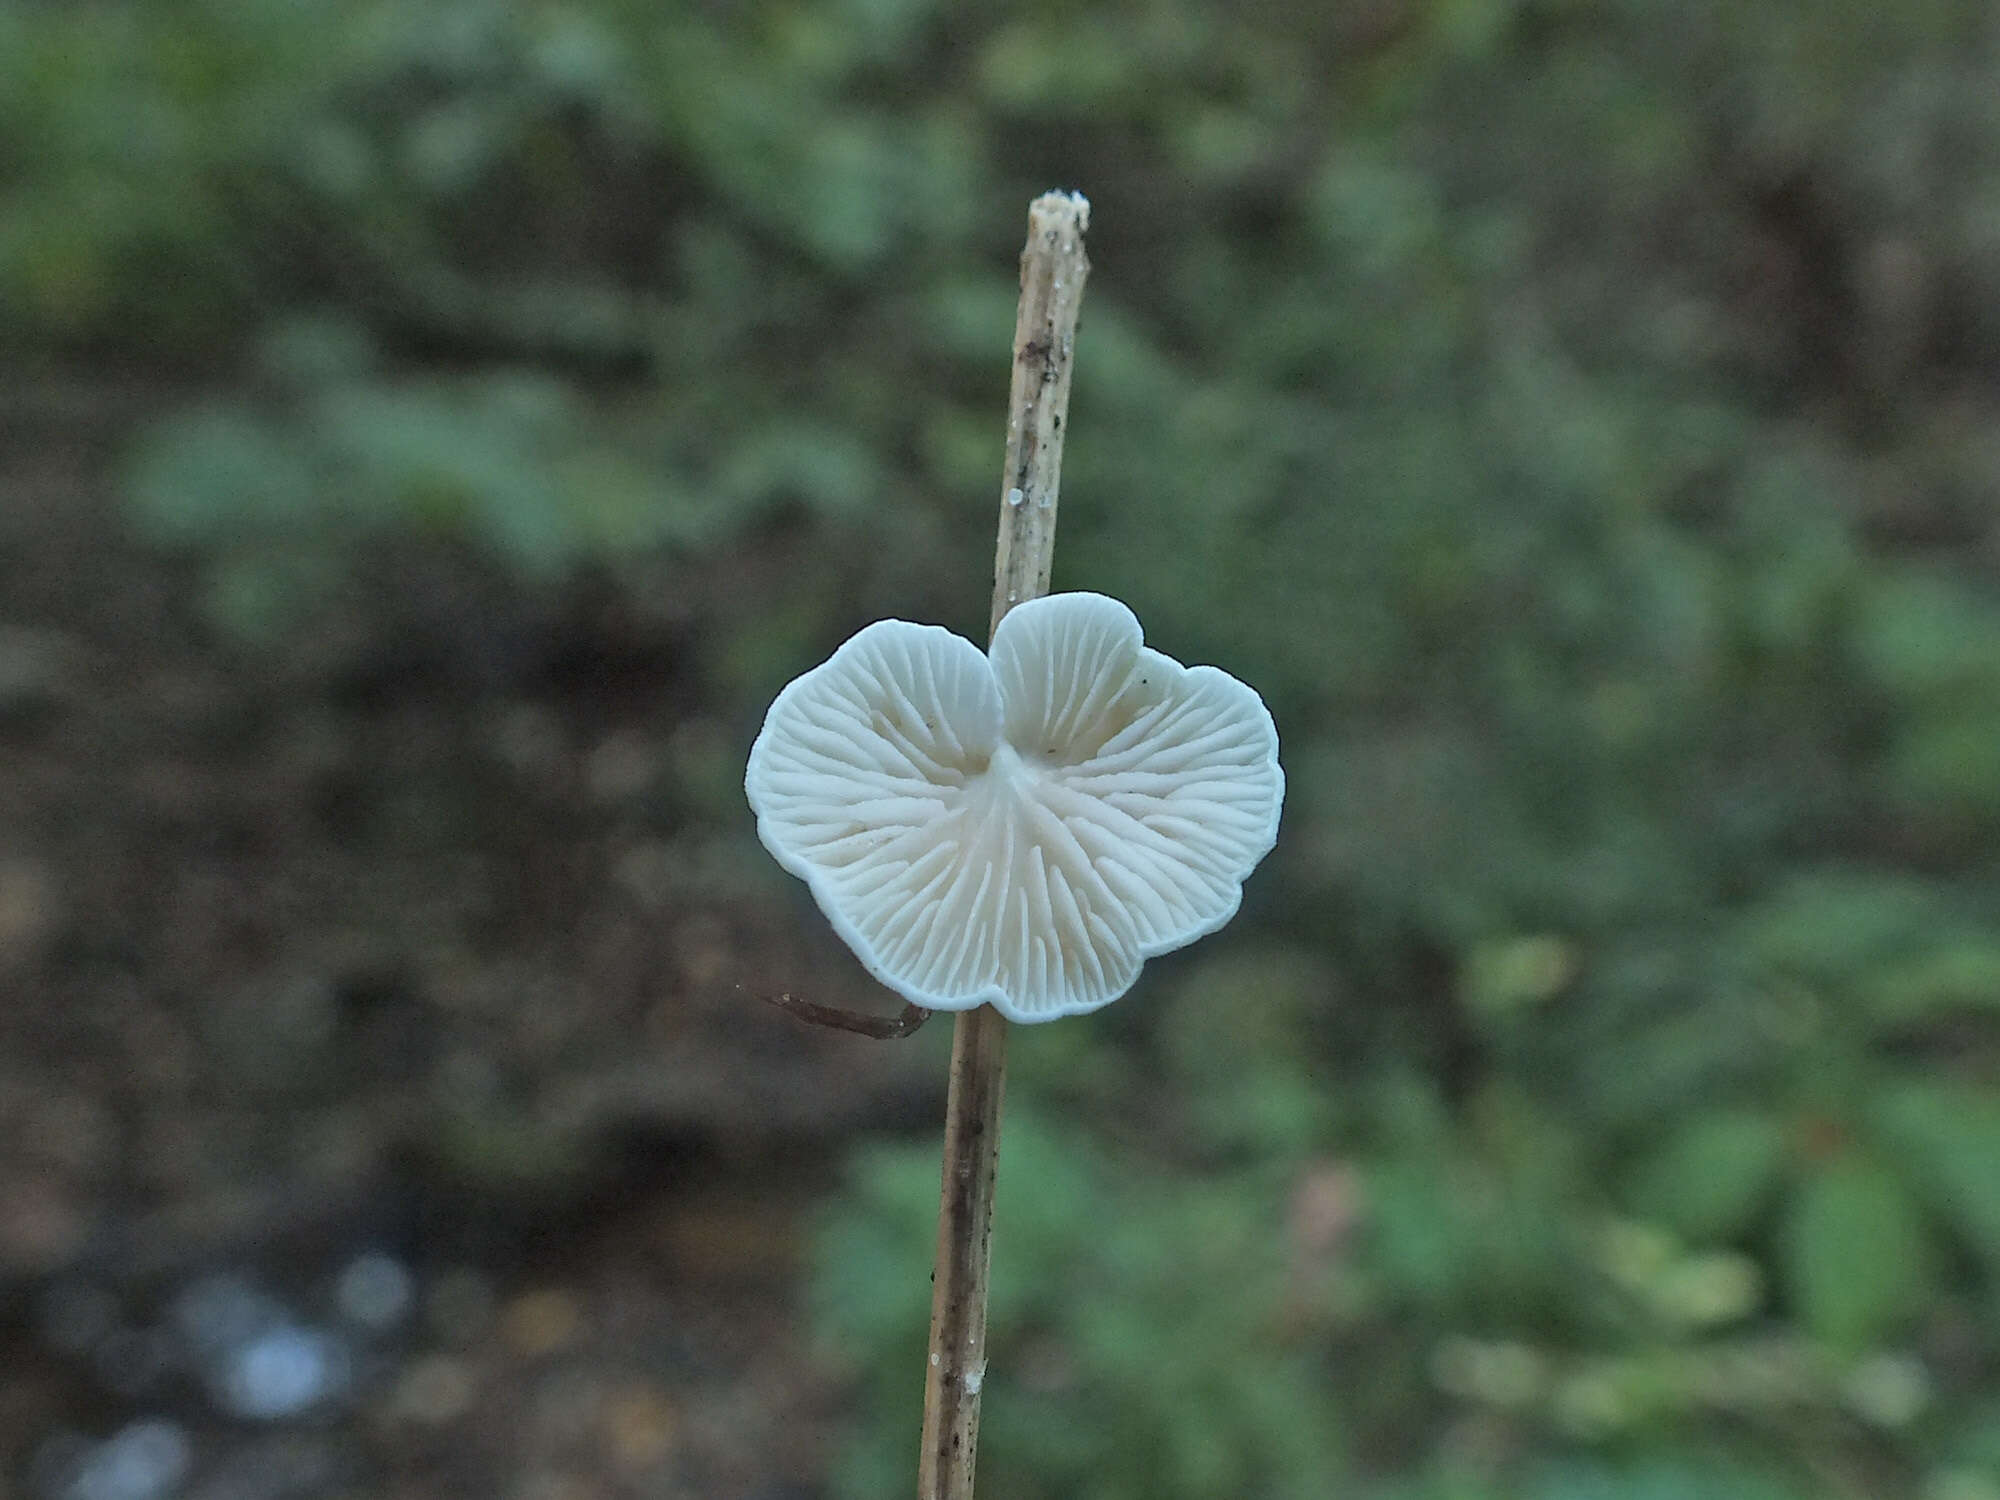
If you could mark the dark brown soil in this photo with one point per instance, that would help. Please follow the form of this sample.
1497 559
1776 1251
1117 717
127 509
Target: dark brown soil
434 933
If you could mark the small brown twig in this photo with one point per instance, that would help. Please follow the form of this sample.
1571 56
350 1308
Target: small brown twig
1053 267
833 1018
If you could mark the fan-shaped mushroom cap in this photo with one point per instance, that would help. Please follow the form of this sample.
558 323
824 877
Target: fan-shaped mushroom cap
1024 829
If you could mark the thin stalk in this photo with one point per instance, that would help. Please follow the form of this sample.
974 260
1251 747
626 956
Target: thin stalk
1053 267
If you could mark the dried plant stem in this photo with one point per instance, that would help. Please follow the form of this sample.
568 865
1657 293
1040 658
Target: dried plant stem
1053 267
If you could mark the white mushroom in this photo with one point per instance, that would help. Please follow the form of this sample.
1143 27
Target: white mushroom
1024 829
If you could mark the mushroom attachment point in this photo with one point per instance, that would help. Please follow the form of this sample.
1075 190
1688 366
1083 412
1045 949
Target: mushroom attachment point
1022 827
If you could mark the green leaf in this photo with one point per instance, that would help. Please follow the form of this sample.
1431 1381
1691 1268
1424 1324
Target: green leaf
1710 1178
217 472
1416 1230
1961 976
1857 1258
1922 635
1949 1139
1829 924
1951 759
1662 1477
1506 975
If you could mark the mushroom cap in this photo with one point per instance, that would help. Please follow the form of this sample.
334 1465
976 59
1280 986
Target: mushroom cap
1022 829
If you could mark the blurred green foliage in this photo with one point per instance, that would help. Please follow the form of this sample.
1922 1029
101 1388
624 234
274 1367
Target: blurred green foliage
1578 418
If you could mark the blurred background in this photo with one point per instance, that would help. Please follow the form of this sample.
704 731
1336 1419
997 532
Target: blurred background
430 434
